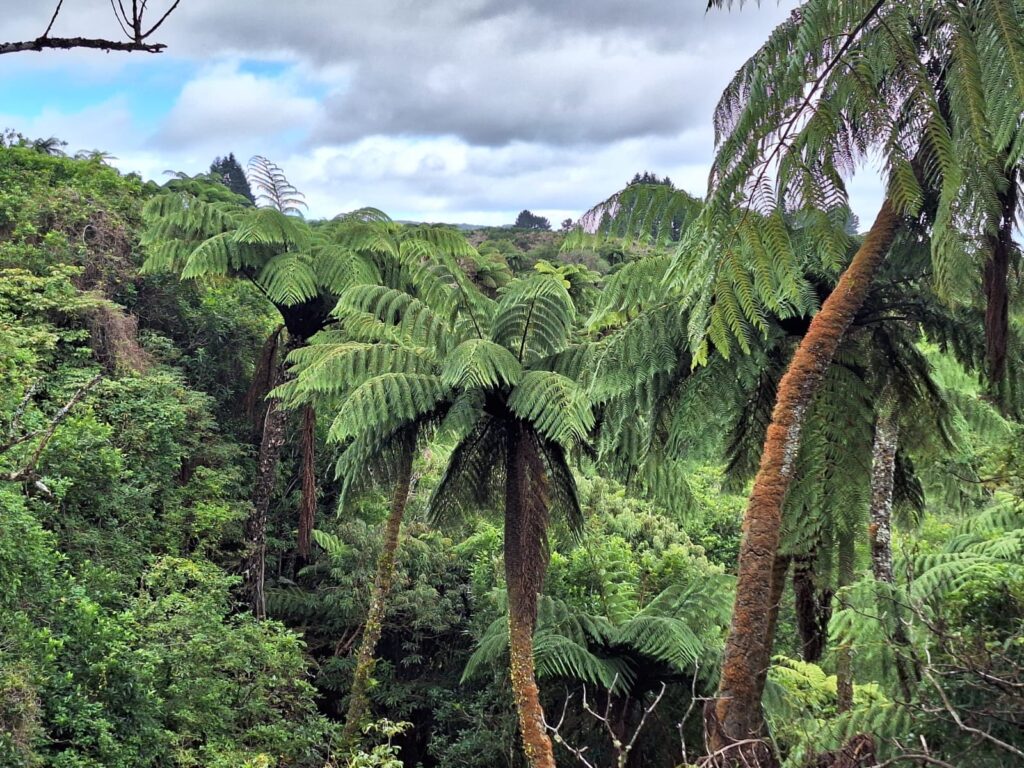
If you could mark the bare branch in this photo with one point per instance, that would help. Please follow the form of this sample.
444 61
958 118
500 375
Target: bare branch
27 471
962 725
121 16
163 18
921 759
56 12
131 23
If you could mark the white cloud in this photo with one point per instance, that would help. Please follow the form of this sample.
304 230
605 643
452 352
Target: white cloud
96 127
223 103
459 110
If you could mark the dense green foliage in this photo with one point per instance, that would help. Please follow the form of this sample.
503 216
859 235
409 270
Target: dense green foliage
530 430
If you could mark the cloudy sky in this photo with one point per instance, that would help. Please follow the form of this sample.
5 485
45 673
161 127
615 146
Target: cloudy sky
439 110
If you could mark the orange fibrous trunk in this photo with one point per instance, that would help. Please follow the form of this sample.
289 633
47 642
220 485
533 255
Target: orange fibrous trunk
735 717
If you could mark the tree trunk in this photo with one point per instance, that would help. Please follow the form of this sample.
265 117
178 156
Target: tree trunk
307 505
844 654
813 608
997 294
525 563
366 658
737 710
883 468
778 587
254 566
858 752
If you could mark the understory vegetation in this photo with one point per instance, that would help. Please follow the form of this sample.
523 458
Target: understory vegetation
722 481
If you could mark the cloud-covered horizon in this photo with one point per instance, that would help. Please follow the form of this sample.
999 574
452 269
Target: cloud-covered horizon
454 110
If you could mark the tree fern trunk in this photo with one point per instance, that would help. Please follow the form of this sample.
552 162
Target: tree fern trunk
736 713
254 565
778 587
525 562
844 654
813 608
366 658
307 505
995 280
883 468
275 422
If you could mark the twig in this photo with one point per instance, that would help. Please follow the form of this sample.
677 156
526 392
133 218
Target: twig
962 725
163 18
921 758
26 472
53 18
131 25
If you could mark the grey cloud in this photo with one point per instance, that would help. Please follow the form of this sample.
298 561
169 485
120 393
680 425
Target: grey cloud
449 108
490 72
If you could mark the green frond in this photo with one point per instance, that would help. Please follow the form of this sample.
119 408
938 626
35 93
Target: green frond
270 227
533 318
335 548
651 214
213 256
337 267
480 363
410 318
632 288
387 401
558 656
288 279
554 405
331 364
372 459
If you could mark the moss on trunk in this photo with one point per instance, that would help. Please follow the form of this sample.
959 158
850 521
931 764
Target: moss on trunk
275 422
737 710
366 658
883 468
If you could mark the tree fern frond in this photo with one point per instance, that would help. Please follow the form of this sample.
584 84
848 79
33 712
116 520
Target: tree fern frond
555 406
385 401
480 363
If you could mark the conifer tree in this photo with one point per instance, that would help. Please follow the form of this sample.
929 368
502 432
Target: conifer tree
231 174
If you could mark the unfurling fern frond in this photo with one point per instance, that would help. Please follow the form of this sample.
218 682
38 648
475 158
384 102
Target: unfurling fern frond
273 188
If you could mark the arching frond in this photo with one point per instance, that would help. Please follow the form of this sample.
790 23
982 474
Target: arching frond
334 365
288 279
482 364
554 405
385 402
533 318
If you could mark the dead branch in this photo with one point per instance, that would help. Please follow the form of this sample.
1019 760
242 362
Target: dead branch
955 714
137 35
622 750
27 472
